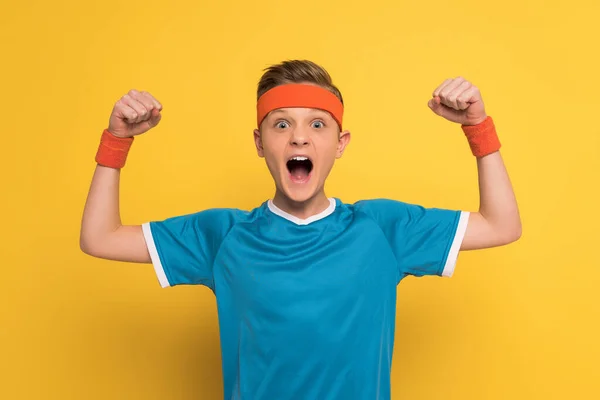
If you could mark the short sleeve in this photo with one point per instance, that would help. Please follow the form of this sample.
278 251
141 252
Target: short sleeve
426 241
183 248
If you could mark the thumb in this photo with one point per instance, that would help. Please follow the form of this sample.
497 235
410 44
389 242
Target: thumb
154 118
435 105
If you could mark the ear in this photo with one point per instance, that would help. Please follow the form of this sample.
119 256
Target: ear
258 143
343 141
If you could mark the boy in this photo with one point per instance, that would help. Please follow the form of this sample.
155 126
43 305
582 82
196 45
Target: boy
305 284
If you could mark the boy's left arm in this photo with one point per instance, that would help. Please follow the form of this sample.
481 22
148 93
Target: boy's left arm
498 221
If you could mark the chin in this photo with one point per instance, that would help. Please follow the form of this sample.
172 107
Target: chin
299 191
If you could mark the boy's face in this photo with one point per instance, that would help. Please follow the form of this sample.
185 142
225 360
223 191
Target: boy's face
300 146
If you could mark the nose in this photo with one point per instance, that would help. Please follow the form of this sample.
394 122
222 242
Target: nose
299 138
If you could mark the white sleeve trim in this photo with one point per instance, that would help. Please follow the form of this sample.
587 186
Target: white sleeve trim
456 243
158 267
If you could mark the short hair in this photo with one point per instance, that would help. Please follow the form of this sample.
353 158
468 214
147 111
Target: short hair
296 71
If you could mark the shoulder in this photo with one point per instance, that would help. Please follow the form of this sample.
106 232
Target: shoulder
389 212
211 219
381 206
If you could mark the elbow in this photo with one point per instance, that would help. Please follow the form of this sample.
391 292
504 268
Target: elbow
514 237
513 234
86 245
519 232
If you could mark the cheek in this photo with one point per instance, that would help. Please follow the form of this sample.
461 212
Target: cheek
327 152
272 150
270 157
329 145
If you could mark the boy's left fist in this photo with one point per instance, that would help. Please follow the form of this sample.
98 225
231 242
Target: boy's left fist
458 100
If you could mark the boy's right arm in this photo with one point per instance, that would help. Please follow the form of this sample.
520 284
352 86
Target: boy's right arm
102 233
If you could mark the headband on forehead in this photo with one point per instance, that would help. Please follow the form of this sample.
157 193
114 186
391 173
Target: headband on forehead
299 95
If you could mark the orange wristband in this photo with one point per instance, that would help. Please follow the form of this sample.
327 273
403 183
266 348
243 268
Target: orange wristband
482 137
113 150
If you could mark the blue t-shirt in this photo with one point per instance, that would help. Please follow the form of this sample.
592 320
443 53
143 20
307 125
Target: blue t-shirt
306 307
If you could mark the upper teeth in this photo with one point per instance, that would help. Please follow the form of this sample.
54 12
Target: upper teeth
299 158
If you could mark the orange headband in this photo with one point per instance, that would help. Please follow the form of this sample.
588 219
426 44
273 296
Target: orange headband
299 95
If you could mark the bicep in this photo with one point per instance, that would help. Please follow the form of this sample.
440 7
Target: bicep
126 243
481 234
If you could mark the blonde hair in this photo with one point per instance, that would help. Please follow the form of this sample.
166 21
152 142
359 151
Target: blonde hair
296 71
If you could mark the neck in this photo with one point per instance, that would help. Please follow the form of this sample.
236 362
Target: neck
301 209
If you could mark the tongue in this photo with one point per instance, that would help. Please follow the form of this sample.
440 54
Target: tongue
299 173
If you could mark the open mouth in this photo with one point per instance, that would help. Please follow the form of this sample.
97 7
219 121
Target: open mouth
299 168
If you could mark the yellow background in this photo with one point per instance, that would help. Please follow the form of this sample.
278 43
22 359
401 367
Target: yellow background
518 322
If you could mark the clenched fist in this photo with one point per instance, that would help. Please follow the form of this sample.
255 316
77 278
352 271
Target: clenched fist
134 114
458 100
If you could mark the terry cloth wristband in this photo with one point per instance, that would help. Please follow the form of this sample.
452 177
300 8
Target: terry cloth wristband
482 137
113 150
299 95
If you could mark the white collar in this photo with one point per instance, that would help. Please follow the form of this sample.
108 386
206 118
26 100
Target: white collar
298 221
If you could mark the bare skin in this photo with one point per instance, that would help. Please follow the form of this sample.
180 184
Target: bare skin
291 132
102 233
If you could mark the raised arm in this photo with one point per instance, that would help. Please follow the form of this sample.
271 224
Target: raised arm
102 233
497 222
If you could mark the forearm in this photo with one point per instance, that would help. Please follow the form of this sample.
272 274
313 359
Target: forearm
497 202
101 213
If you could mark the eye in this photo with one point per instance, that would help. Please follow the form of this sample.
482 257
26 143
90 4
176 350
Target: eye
282 124
318 124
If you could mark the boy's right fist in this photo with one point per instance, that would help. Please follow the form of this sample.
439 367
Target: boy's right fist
134 114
